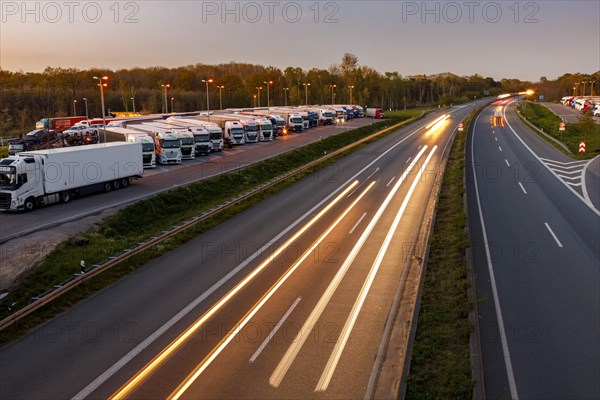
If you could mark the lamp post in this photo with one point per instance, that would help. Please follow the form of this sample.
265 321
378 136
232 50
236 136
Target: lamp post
86 109
285 92
592 88
220 96
74 107
258 89
254 101
172 99
133 101
165 105
102 85
584 82
306 85
351 87
576 88
332 89
269 83
207 81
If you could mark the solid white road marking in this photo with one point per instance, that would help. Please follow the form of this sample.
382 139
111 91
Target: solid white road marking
360 300
274 331
499 148
356 224
522 188
585 200
507 360
408 159
495 138
290 355
85 392
553 235
506 161
390 182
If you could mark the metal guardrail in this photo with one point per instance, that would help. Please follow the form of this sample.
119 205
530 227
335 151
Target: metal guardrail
62 288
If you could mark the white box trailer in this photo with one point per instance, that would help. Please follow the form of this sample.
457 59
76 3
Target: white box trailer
36 178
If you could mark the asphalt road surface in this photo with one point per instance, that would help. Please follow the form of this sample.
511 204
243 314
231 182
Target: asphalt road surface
163 178
286 300
535 231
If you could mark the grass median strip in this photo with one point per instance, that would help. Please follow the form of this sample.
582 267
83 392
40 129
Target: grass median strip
587 131
440 363
139 221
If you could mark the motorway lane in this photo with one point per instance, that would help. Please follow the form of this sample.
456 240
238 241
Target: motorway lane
101 330
543 241
165 178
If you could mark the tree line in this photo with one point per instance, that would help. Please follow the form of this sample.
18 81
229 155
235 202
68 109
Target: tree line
26 97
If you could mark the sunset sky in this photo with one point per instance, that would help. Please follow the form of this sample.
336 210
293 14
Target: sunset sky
502 39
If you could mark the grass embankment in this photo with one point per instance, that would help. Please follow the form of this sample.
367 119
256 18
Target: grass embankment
440 364
137 222
573 134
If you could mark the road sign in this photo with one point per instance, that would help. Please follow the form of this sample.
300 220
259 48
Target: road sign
561 126
582 147
460 127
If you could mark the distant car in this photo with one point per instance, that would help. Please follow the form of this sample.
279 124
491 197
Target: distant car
77 131
596 112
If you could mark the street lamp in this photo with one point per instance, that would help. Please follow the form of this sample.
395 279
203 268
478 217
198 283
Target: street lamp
269 83
102 85
285 93
74 107
172 99
584 82
86 109
220 97
133 101
351 87
258 89
165 105
254 101
207 81
332 89
592 88
576 88
306 85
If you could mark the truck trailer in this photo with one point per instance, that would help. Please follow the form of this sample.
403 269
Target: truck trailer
213 129
36 178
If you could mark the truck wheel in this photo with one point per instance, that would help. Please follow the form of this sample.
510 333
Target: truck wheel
124 182
107 186
30 204
117 184
65 196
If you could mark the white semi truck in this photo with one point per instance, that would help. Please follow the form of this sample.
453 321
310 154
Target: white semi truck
115 133
251 127
168 146
293 121
233 130
36 178
213 129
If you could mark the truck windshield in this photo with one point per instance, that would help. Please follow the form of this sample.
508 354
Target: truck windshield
147 147
266 127
216 135
252 128
188 141
201 138
297 120
170 144
8 181
237 131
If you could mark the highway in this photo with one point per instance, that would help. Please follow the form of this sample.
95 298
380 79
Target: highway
535 233
164 177
288 299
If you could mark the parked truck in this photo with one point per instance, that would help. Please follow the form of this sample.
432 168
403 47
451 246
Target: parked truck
166 142
251 126
376 113
233 130
36 178
215 133
117 134
58 124
293 121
